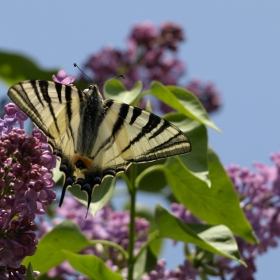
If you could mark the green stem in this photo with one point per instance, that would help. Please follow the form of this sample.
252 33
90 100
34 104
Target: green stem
132 191
203 276
111 244
188 253
128 183
154 235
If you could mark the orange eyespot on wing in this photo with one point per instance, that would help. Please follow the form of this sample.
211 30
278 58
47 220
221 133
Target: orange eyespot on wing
82 162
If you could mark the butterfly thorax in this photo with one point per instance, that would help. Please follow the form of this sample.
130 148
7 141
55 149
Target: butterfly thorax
91 114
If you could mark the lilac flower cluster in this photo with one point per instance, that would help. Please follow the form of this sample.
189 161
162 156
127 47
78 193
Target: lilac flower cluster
150 55
259 193
206 93
107 225
145 59
25 190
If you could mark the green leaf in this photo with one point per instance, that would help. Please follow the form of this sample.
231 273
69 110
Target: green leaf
151 259
215 239
29 273
101 195
139 266
91 266
115 90
15 67
143 167
152 179
216 205
149 106
182 101
66 235
196 160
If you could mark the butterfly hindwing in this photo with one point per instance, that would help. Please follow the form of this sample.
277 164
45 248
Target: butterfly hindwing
139 136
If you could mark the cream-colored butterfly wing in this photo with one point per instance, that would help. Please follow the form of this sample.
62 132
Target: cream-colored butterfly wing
53 107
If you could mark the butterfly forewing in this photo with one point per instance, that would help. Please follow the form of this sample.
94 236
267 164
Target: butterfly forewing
53 107
95 138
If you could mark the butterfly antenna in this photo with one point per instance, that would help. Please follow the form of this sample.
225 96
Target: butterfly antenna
75 65
120 76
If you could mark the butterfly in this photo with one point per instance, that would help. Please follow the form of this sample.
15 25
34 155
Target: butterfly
94 137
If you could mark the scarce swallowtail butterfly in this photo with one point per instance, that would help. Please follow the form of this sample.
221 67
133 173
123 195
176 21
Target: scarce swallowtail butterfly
95 138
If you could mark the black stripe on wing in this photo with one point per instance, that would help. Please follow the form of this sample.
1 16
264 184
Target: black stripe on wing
120 121
45 93
35 88
135 114
152 123
124 109
58 88
160 130
22 100
153 154
69 113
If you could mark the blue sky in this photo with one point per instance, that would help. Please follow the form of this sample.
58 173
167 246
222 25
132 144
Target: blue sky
235 44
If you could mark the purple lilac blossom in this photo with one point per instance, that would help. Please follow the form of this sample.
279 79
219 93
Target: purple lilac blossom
62 78
26 189
12 117
106 63
206 93
144 34
259 199
172 33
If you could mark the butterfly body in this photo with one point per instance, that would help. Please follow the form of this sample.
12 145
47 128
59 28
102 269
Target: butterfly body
95 138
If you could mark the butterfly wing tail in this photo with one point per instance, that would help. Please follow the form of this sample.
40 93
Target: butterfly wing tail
68 182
